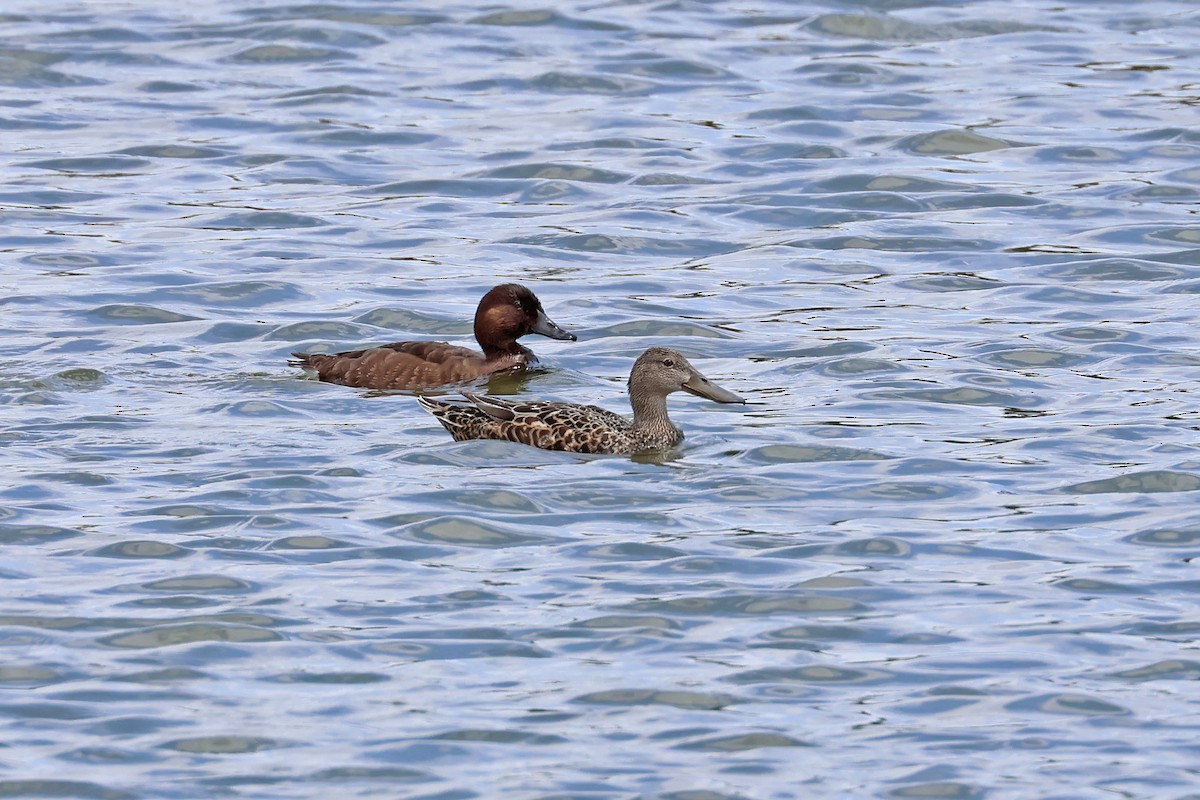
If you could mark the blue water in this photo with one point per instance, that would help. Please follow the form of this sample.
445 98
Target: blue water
948 250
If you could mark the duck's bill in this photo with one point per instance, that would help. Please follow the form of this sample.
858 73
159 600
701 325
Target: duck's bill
703 387
548 327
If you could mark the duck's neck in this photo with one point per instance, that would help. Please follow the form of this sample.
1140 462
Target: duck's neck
494 350
650 414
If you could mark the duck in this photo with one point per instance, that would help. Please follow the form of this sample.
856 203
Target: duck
505 314
576 428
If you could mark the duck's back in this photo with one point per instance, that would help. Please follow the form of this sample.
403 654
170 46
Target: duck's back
404 365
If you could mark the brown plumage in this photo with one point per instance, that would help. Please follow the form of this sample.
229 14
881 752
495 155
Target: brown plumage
505 314
586 429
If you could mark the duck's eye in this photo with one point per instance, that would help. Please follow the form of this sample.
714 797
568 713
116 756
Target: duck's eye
668 362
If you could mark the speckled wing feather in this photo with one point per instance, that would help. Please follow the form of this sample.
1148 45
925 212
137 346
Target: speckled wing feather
547 425
404 365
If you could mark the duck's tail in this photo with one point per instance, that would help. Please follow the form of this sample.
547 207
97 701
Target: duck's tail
304 360
431 405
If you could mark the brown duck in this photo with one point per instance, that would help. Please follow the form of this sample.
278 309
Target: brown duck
505 314
586 429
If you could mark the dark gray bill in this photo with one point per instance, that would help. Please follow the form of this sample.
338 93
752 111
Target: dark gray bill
702 386
547 327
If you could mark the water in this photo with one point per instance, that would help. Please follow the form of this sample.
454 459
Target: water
948 249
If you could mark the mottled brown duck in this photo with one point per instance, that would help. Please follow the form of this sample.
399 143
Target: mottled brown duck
586 429
505 314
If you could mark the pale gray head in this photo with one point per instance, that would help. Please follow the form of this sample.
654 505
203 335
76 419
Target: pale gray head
661 370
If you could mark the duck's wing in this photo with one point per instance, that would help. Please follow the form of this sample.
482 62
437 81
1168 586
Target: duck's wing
549 425
434 352
504 409
402 365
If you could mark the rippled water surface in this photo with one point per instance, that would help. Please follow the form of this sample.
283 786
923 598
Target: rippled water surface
949 250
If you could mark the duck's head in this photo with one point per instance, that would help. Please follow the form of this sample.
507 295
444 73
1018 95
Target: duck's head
510 311
661 370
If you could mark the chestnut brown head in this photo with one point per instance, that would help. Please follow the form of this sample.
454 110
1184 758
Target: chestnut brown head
508 312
